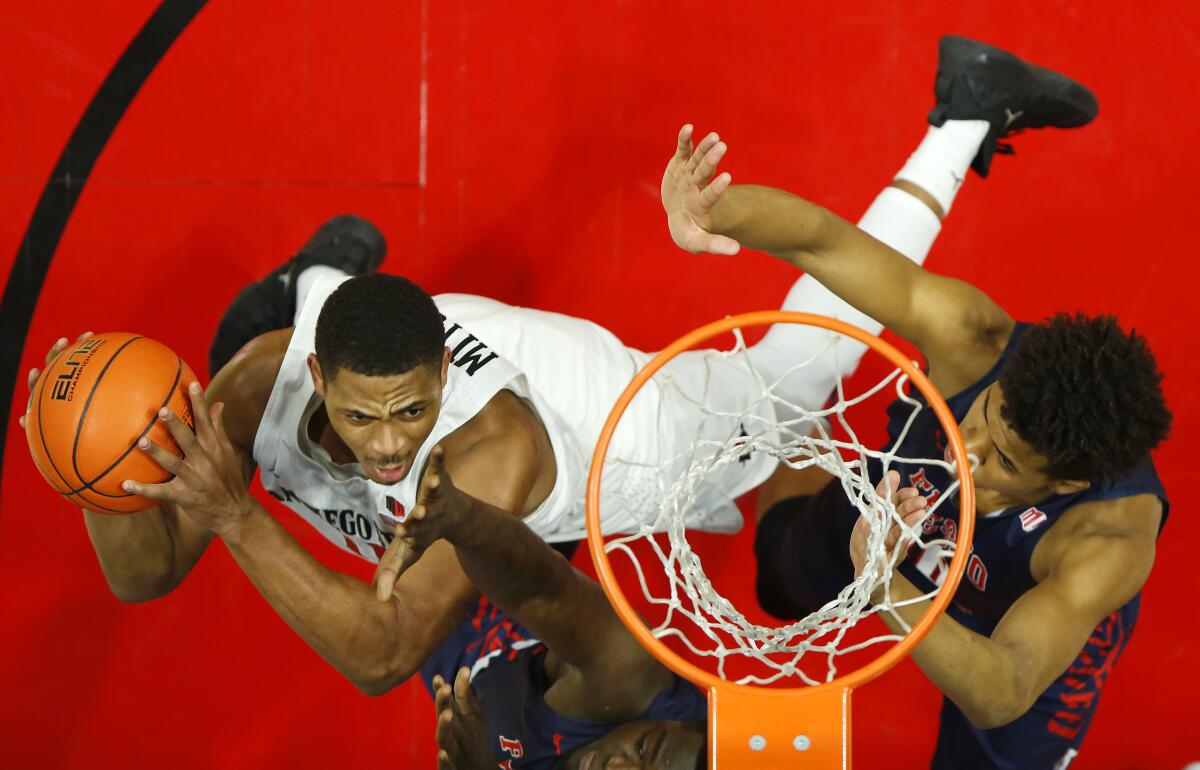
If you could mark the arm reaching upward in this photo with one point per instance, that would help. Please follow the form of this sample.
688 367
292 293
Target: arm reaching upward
958 327
521 574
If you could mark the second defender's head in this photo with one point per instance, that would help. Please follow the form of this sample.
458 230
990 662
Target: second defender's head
1079 402
380 364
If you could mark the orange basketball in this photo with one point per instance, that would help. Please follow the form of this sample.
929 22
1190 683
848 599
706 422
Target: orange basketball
88 410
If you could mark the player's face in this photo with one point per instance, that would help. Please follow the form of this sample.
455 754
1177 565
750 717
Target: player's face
383 421
643 745
1009 471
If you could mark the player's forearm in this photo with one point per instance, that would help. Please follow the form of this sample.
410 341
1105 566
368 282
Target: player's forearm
523 575
776 222
337 615
846 260
139 553
977 674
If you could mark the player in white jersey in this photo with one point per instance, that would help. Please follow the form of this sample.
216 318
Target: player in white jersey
341 411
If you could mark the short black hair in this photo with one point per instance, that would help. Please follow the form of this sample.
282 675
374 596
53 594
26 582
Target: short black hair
379 325
1085 394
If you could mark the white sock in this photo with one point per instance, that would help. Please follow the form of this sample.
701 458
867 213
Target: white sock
308 276
899 220
940 162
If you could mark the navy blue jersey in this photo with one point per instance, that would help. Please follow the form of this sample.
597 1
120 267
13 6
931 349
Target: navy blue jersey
997 574
508 679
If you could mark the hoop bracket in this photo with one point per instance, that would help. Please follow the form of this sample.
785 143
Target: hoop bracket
810 729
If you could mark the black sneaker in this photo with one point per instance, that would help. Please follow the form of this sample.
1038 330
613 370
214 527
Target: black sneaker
345 242
349 243
976 81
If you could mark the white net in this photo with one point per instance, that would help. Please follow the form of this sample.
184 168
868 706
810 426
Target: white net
693 611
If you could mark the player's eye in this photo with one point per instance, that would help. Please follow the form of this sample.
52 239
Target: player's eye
414 411
641 745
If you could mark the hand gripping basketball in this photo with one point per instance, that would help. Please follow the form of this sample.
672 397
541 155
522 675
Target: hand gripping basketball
436 515
32 379
209 484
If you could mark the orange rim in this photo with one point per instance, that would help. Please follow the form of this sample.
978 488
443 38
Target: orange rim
966 494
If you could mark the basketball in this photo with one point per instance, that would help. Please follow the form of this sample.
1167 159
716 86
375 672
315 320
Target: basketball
89 408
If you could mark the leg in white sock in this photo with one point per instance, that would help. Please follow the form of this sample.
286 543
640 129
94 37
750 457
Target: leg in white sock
309 276
901 220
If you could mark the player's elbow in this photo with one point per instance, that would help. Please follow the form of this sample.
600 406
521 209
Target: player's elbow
389 659
383 676
996 712
140 587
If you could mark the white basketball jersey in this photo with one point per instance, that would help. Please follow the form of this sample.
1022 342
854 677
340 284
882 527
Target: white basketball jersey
346 506
570 371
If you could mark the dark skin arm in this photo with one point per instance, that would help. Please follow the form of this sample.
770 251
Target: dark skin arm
599 670
958 328
1082 578
377 645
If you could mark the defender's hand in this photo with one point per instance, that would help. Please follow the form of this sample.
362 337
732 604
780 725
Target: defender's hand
688 195
208 482
436 514
462 744
34 373
910 505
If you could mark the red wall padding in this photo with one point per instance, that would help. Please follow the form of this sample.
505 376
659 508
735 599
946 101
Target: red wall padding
531 175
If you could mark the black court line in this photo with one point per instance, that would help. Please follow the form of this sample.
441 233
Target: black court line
66 182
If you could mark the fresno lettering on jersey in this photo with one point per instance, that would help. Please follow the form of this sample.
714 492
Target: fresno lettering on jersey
513 749
933 562
925 486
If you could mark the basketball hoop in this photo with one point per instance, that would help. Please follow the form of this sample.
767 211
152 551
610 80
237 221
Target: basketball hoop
751 725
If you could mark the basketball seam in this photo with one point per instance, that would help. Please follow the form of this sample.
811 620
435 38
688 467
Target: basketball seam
83 416
88 404
170 392
83 502
42 425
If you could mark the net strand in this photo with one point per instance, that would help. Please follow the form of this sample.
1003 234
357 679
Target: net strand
695 613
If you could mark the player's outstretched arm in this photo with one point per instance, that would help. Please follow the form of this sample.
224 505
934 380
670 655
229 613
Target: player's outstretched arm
946 318
613 676
994 680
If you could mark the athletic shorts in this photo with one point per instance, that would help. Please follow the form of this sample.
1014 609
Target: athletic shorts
802 549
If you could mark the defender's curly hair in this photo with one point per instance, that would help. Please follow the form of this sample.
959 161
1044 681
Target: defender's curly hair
1086 395
379 325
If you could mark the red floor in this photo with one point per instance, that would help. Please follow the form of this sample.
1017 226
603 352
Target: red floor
514 150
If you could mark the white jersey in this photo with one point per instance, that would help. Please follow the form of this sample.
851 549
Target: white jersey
570 372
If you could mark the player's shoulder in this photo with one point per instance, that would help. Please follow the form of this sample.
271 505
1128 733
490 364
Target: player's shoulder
961 353
1115 534
244 384
501 453
506 425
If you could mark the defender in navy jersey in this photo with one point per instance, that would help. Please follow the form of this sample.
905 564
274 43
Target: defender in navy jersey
548 676
1060 418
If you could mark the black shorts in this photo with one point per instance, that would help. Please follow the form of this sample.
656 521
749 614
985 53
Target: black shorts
802 547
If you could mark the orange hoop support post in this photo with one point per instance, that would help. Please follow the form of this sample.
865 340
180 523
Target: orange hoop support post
764 727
